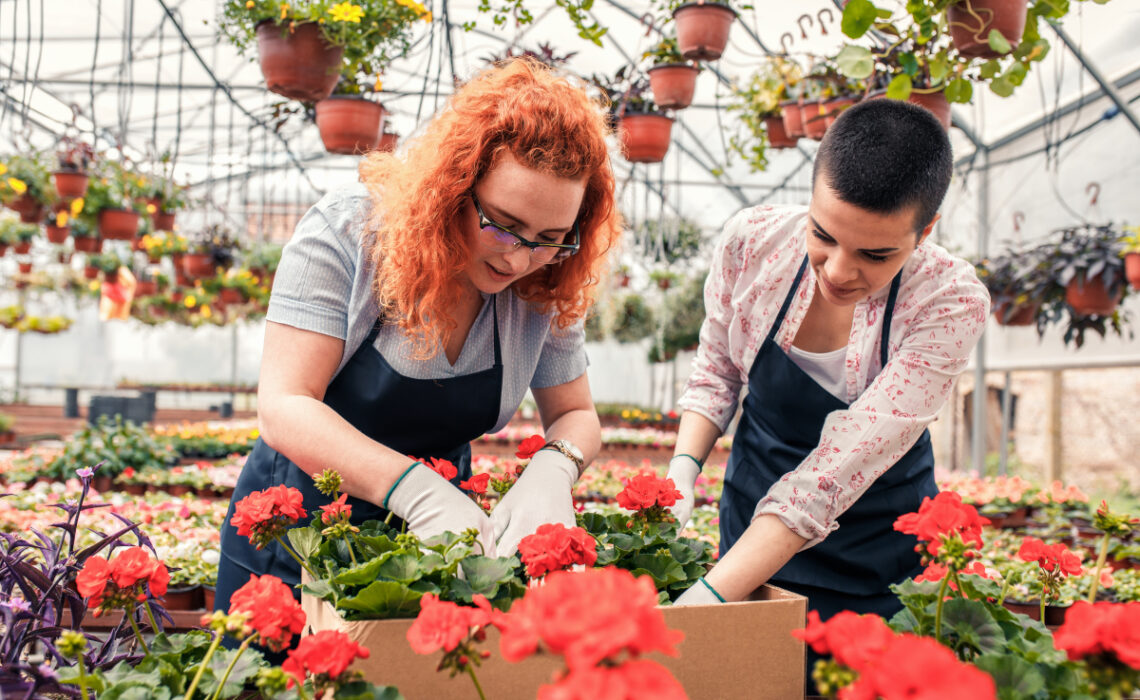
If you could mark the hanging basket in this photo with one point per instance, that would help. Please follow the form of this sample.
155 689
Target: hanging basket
645 137
673 85
70 185
298 64
1132 269
777 136
145 288
57 234
793 116
88 244
936 103
971 22
388 142
815 119
25 268
1091 297
30 211
702 29
349 125
118 224
834 107
1021 315
163 220
22 248
198 265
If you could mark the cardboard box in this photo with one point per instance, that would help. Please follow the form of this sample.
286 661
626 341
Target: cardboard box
730 651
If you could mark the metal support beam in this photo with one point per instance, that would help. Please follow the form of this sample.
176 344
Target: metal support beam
979 427
1105 85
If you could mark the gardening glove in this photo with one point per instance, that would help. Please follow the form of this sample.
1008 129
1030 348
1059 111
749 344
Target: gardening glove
683 470
430 504
541 495
700 593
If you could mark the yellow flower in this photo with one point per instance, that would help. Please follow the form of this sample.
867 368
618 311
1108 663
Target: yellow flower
150 209
93 285
206 313
284 10
17 185
76 206
3 168
61 219
253 434
190 301
426 17
377 85
347 12
249 4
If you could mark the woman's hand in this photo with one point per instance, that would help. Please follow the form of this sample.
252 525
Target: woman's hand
541 495
683 470
430 504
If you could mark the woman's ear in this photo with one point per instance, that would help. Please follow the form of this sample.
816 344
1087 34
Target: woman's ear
929 227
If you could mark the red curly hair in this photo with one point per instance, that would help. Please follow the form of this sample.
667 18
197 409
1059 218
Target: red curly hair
547 123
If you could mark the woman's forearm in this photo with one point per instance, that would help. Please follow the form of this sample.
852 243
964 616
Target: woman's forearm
696 436
760 552
581 427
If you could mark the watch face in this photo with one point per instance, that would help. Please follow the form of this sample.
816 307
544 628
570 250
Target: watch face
573 449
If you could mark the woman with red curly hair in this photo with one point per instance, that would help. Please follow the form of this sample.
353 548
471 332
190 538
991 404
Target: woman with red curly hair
410 315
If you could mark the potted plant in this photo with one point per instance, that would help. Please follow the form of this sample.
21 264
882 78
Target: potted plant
763 107
633 319
303 45
263 259
56 229
75 158
664 278
1020 287
18 234
213 247
643 130
1089 265
112 199
972 23
702 27
7 435
25 186
163 197
349 122
85 236
672 78
1131 253
824 93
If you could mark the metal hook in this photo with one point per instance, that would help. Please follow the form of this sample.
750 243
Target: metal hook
1018 219
785 44
830 19
1093 188
800 22
647 20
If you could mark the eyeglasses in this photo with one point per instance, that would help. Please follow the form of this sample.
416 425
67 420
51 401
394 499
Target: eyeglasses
505 240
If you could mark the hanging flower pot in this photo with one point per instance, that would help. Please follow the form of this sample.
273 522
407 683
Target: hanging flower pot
69 184
702 29
229 295
673 85
22 248
777 136
298 63
88 244
645 137
834 107
1020 315
936 103
118 224
25 268
163 220
815 119
1132 269
971 22
3 249
388 142
349 125
57 234
198 265
30 211
792 113
145 288
1091 297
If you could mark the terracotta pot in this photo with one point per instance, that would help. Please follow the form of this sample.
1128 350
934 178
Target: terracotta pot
208 597
163 220
118 224
1091 298
936 103
7 437
702 29
87 244
30 211
815 119
645 137
1018 517
230 296
349 125
134 489
1022 315
298 64
22 248
1132 269
388 142
70 184
198 266
673 85
57 234
102 483
177 489
25 268
1054 614
972 20
792 114
834 107
3 249
183 598
777 136
145 288
63 257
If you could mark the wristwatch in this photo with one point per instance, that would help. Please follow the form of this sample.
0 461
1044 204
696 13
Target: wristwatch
569 449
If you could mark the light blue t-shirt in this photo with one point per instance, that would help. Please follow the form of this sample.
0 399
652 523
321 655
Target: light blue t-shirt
324 284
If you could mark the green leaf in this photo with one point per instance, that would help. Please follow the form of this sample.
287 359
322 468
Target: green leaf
363 690
989 69
383 599
855 62
379 544
625 542
485 574
245 667
1001 86
959 90
364 573
999 43
318 589
939 68
660 566
1015 677
909 64
400 567
134 690
1016 73
306 541
431 563
972 621
900 87
858 17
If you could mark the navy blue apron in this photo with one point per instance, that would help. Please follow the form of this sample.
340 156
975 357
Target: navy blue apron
781 424
418 417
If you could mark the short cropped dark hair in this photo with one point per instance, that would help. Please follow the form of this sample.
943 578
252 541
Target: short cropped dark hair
884 155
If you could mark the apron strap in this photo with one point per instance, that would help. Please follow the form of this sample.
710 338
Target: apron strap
884 340
787 301
495 317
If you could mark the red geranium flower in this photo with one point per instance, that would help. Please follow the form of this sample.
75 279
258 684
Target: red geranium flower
647 490
1101 629
587 616
919 667
477 484
943 516
854 640
529 446
334 511
135 565
442 467
91 582
272 610
445 625
119 582
554 547
263 516
327 653
1054 557
633 680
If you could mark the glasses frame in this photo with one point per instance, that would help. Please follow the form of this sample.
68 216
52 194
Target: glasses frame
531 246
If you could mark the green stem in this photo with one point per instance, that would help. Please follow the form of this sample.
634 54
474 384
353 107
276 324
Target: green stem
957 583
82 676
348 541
1101 557
475 680
296 558
150 614
1005 585
202 667
388 518
138 633
233 662
1042 607
938 611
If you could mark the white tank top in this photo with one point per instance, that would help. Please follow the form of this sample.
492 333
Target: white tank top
828 369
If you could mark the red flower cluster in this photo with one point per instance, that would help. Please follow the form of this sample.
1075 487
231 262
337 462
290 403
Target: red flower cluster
529 446
442 467
1054 557
1101 629
647 490
337 511
272 611
444 625
588 617
326 654
554 547
633 680
943 516
263 516
890 666
118 583
935 572
477 484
